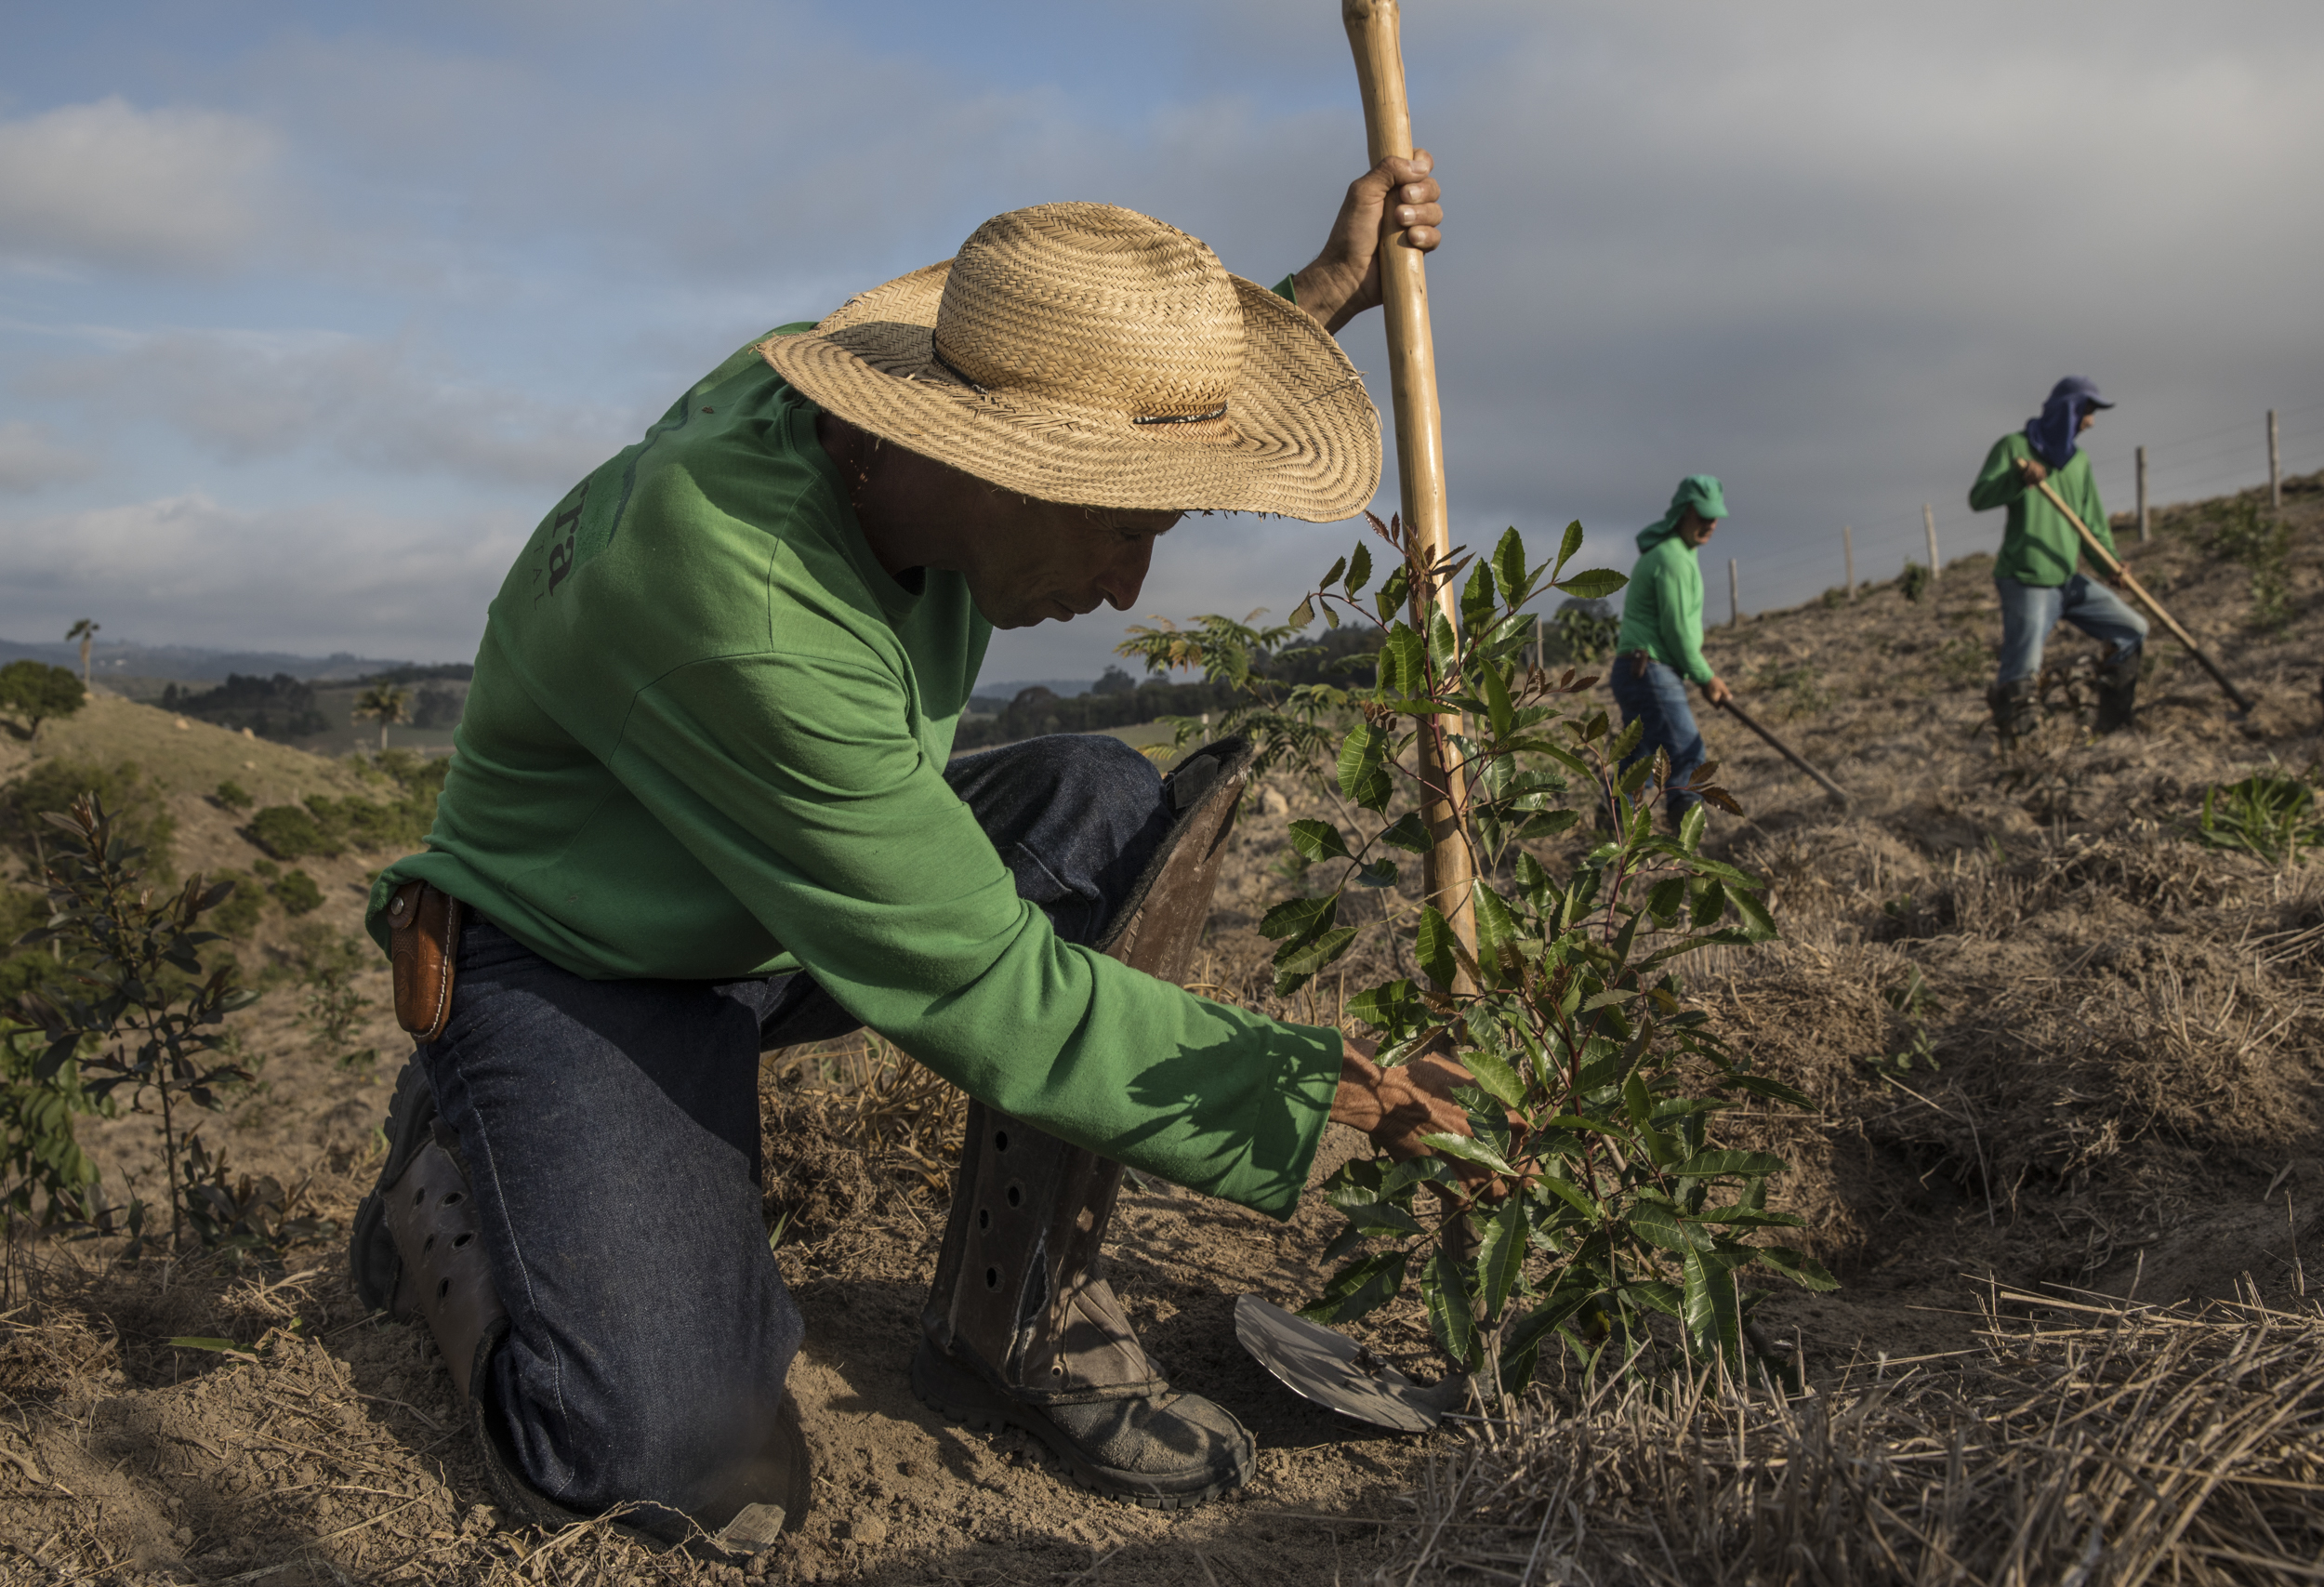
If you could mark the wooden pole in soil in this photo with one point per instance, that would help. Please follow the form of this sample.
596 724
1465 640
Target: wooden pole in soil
1735 598
2145 519
2113 568
2274 465
1373 34
1928 522
1848 549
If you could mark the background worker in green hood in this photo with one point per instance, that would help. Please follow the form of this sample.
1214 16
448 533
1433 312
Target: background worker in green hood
1661 642
2038 575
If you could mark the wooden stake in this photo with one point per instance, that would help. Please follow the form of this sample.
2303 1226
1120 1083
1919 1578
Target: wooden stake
1928 522
2274 465
1848 549
2145 519
1373 36
1735 603
2113 568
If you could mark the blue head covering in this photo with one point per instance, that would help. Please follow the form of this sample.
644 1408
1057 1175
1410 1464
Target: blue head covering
2053 434
1700 492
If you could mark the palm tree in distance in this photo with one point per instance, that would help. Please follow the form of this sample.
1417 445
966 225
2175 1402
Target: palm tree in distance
84 631
388 704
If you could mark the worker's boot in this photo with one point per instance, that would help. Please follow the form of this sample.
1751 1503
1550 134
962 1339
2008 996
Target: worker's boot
1020 1329
2117 693
417 1252
2013 705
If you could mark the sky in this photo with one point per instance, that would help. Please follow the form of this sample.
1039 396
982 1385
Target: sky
308 313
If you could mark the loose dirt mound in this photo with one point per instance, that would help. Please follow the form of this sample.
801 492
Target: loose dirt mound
2115 1039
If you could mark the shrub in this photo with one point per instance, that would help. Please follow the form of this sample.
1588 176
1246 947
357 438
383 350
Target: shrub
2239 531
1914 581
231 795
297 893
237 917
133 803
288 833
34 692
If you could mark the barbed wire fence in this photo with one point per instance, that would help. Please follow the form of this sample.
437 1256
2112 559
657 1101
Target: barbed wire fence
2248 454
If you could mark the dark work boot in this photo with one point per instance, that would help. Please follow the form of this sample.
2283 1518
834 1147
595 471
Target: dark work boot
2117 693
2013 711
1020 1329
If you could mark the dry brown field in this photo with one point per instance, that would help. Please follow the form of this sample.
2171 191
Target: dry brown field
2075 1337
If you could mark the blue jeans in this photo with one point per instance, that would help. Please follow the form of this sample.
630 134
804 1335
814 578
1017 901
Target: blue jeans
2031 611
610 1130
1659 698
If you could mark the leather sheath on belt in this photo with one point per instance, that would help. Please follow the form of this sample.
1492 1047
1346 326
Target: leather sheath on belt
425 941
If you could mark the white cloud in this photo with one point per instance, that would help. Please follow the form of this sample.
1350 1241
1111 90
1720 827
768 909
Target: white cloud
383 405
316 578
107 184
30 458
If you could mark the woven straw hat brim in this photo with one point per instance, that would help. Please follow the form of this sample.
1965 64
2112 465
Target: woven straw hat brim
1299 436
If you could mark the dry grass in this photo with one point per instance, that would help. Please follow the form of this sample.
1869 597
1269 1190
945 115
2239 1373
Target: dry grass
2083 1444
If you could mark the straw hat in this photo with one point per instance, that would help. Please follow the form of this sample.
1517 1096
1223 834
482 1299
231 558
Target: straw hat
1078 352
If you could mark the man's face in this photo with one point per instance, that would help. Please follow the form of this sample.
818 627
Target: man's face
2089 418
1695 528
1031 562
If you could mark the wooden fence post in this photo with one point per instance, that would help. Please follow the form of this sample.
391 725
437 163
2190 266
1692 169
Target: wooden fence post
2275 467
1928 522
1734 601
2145 519
1848 549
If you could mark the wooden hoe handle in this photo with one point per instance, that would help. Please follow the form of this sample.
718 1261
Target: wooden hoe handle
1373 36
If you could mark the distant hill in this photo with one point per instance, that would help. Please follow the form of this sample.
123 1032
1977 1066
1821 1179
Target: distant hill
194 664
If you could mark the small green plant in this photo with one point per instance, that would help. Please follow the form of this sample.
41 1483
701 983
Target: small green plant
296 892
1596 1213
43 1174
1586 631
288 833
134 1003
231 795
2241 531
331 1007
1915 581
2276 818
1913 1004
1794 691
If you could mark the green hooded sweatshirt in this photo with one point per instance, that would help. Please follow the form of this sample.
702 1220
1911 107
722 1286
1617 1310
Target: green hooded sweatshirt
1662 607
707 740
2038 546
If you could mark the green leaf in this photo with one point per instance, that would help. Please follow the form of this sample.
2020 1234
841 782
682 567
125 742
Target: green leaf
1359 570
1317 840
1565 1190
1294 968
1498 709
1382 1218
1804 1271
1567 546
1432 946
1392 593
1740 1217
1364 1286
1495 1075
1469 1149
1497 934
1363 777
1595 585
1449 1318
1299 918
1302 614
1333 576
1520 1344
1710 903
1379 873
1691 827
1656 1225
1712 1315
1748 1165
1388 1007
1409 833
1758 926
1666 897
1503 1257
1775 1091
1509 567
1477 600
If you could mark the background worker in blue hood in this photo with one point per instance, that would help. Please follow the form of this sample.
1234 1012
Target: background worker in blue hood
2037 573
1661 642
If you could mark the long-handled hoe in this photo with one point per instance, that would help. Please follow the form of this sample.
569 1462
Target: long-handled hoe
2113 568
1780 748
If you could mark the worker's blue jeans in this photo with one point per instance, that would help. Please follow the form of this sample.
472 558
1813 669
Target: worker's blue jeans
1659 697
2031 611
610 1130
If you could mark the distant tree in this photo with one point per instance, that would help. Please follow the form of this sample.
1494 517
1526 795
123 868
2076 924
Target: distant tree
35 691
85 629
388 704
1116 681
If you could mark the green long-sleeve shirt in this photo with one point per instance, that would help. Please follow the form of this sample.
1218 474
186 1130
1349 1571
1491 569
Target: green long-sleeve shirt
705 740
1662 606
2038 546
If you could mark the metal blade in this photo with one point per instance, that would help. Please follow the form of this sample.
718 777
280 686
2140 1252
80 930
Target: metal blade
1330 1368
